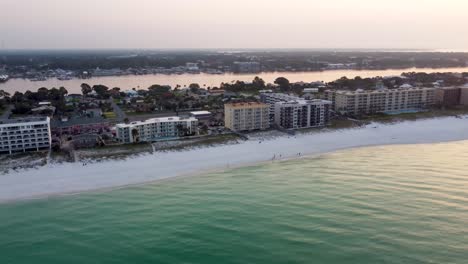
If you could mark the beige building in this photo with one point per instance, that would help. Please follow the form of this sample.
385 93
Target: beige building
247 116
382 101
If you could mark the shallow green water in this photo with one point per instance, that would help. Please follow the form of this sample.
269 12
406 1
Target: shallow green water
393 204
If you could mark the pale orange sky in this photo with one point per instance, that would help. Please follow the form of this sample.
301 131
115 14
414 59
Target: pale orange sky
413 24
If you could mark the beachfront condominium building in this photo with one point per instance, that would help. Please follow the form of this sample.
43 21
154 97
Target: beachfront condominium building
24 134
156 129
464 96
292 112
302 113
382 101
448 96
271 98
246 116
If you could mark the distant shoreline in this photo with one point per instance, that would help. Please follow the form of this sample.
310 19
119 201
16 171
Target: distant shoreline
403 68
69 178
126 82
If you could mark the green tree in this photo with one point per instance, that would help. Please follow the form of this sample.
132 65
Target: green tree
85 88
101 90
283 83
17 97
194 87
63 91
135 135
258 83
158 90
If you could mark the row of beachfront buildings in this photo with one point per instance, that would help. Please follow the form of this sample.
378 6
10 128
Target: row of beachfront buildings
292 112
277 110
393 101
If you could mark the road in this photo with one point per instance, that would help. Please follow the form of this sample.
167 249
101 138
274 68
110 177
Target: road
120 115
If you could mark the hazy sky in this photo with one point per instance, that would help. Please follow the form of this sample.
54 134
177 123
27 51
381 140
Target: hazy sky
439 24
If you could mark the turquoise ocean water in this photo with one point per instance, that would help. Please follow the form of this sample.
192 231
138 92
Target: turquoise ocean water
389 204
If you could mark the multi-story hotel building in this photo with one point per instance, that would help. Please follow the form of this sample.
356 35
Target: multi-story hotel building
382 101
448 96
302 113
24 134
247 116
156 128
271 98
464 96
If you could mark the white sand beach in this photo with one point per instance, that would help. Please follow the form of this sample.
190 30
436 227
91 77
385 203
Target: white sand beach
74 177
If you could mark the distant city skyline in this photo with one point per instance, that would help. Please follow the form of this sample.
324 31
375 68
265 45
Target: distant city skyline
229 24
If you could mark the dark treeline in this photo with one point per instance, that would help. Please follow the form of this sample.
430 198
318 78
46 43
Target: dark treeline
270 60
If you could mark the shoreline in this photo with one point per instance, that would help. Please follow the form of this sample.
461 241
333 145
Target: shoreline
211 80
73 178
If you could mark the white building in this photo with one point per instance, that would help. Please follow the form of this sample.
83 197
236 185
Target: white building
302 113
201 114
192 67
310 90
24 134
272 98
156 129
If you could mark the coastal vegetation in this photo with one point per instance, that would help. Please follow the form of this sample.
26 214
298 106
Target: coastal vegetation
20 62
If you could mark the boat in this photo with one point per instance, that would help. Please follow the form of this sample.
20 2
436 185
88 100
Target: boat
4 78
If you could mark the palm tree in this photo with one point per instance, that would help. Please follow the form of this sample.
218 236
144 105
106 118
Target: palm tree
180 130
135 135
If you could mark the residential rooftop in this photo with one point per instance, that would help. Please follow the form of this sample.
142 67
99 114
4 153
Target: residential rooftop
361 91
252 104
24 120
304 102
200 113
76 121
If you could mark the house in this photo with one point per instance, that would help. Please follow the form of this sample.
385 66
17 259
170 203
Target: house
202 116
131 94
79 125
216 92
44 110
94 112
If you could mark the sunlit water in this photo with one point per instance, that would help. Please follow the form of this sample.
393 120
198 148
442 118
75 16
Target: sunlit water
205 80
389 204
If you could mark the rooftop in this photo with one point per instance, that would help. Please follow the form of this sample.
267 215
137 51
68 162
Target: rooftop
23 120
200 113
249 104
75 121
360 91
158 120
305 102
